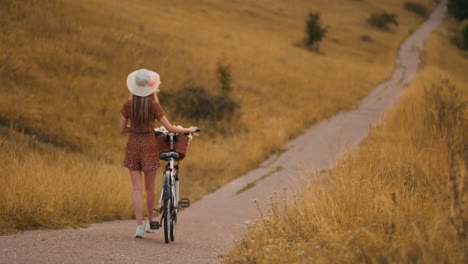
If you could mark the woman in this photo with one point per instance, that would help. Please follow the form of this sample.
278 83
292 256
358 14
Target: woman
142 154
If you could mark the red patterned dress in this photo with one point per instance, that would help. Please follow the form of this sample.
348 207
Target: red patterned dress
142 149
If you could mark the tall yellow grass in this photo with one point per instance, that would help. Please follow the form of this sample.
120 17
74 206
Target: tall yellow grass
43 186
402 197
63 67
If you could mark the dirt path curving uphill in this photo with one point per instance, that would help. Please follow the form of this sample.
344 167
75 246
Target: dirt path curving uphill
208 228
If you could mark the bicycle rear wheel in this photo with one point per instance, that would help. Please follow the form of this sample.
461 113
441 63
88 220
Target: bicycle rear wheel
167 220
173 226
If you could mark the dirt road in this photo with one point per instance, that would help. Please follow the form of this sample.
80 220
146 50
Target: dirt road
209 227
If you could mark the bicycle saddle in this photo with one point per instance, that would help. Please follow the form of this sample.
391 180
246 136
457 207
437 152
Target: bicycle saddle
168 155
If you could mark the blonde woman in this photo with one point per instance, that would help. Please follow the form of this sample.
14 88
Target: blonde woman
142 155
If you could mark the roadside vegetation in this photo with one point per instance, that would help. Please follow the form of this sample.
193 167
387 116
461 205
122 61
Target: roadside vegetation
400 198
64 63
458 8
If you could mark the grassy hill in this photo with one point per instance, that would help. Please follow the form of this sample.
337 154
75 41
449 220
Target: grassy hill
400 198
64 64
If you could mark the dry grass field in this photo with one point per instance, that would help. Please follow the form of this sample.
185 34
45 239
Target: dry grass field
63 66
402 197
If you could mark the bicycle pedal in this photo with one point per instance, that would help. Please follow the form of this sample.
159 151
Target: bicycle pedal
154 225
184 202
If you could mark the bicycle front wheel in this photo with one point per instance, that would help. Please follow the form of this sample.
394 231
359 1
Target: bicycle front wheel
167 219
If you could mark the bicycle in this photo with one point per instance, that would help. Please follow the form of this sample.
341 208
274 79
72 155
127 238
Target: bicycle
169 202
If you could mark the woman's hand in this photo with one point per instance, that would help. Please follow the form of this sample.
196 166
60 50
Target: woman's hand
124 129
192 129
173 129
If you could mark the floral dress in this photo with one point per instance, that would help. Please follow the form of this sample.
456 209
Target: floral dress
142 149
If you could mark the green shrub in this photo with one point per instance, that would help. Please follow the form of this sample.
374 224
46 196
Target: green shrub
315 32
197 103
458 8
382 20
416 8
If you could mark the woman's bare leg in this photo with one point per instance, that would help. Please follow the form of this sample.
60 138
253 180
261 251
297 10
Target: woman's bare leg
137 191
149 186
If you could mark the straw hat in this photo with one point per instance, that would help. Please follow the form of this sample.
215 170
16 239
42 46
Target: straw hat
143 82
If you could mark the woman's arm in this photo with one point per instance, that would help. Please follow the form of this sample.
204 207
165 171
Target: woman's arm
124 129
174 129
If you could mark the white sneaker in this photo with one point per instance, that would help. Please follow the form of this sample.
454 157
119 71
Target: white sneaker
148 227
139 231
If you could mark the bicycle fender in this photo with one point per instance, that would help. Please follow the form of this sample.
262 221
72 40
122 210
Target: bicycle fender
166 188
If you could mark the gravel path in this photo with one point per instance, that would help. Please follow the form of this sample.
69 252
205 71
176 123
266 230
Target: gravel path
208 228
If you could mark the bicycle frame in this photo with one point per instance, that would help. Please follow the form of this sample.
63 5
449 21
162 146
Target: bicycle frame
170 187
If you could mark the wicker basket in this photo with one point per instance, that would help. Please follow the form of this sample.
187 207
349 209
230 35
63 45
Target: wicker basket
179 146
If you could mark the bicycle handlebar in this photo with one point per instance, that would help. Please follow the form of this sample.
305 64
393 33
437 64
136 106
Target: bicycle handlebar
160 132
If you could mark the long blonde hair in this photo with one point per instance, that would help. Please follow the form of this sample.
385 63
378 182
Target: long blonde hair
142 112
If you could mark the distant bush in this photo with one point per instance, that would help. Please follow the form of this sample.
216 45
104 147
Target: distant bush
382 20
223 73
366 38
458 8
315 32
197 103
416 8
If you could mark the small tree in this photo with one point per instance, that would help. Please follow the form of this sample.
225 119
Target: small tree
458 8
315 32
